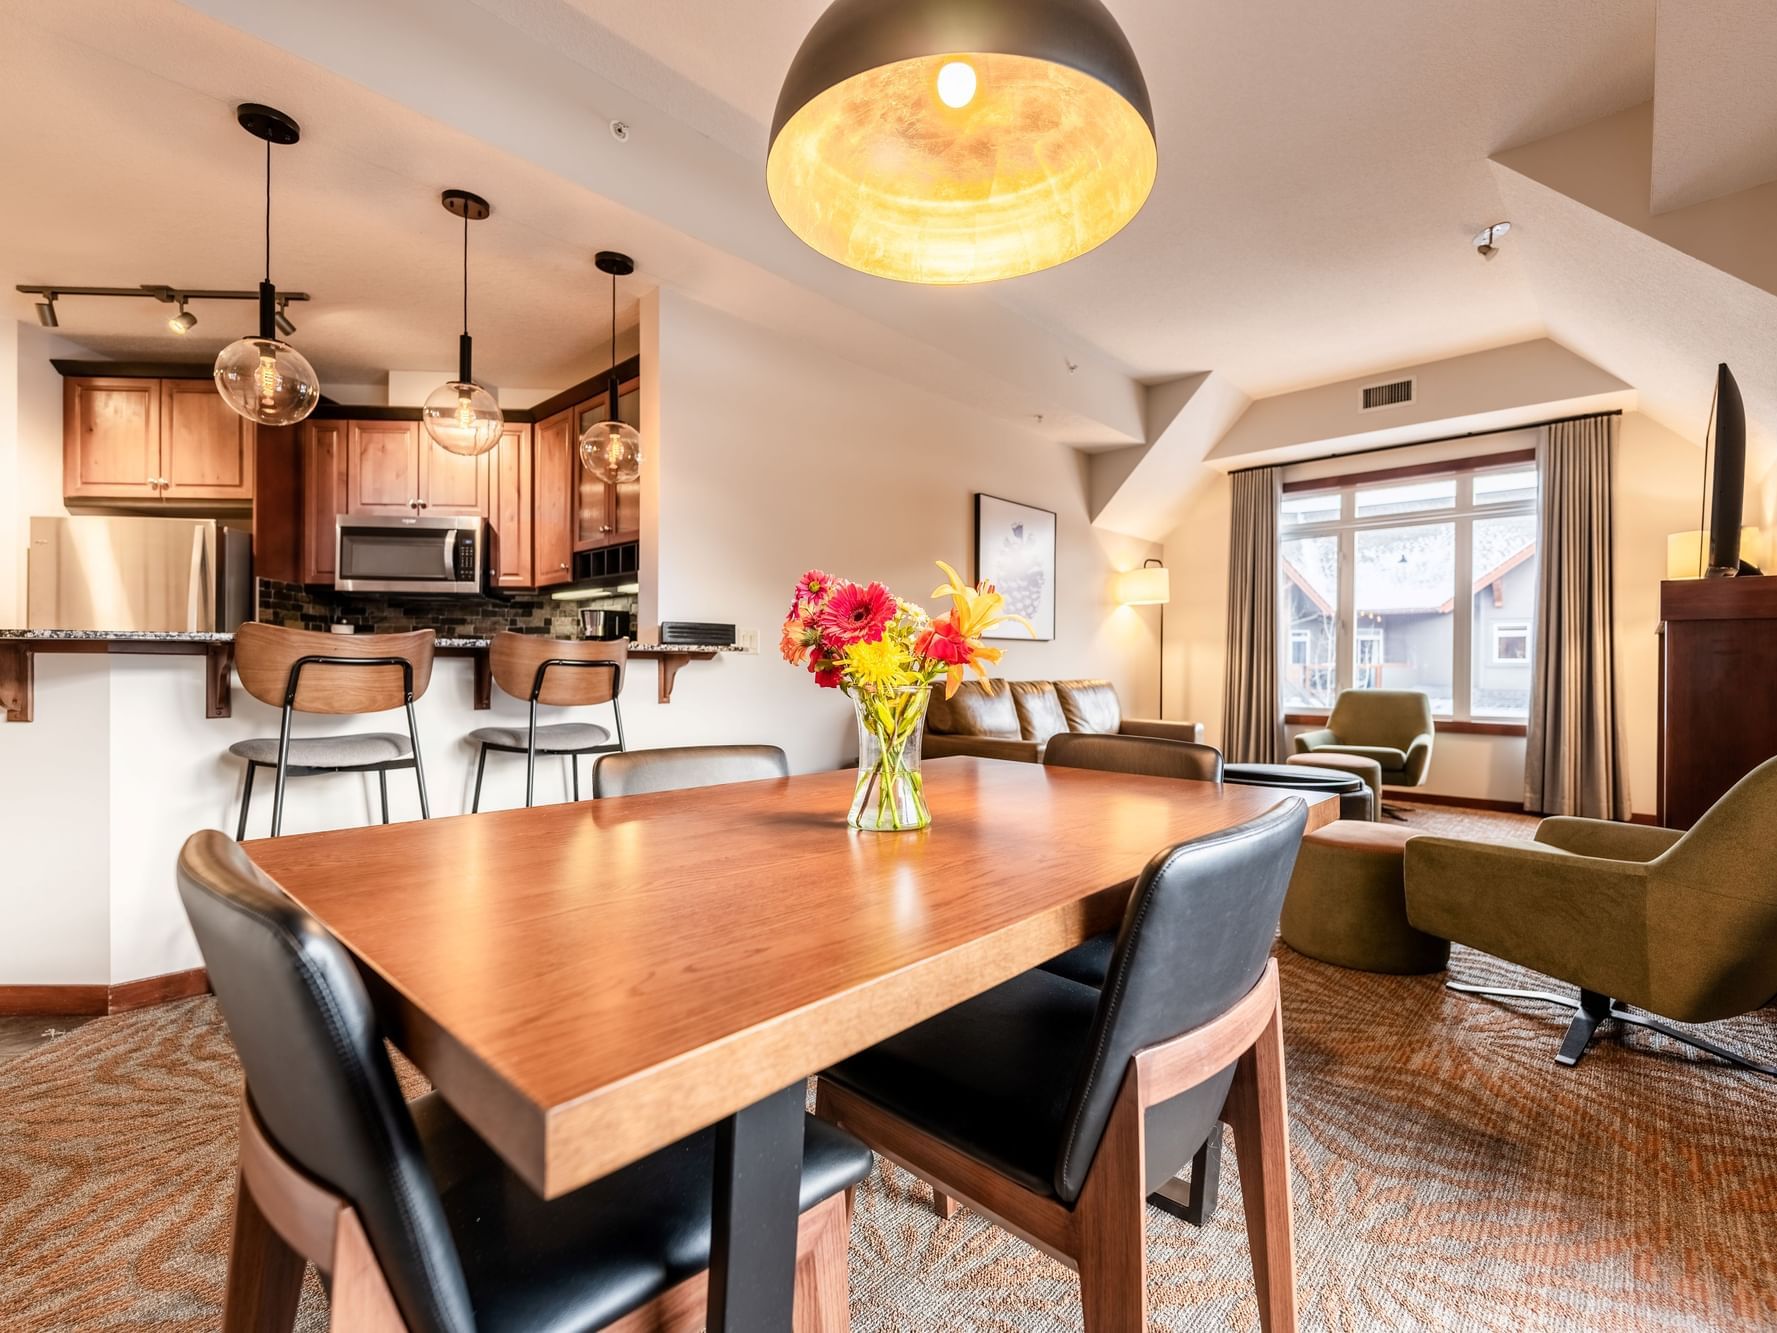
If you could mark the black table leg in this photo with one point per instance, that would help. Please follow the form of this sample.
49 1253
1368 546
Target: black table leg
754 1215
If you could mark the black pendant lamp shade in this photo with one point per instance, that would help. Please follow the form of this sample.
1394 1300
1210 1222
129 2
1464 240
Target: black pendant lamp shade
961 141
461 416
611 449
264 379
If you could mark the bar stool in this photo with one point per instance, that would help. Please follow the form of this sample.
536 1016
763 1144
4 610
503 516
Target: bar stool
565 673
304 671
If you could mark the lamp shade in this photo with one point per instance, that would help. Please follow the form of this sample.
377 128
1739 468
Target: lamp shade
1151 586
1684 552
961 141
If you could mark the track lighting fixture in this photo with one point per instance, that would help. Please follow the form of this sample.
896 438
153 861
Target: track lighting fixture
184 321
46 311
461 416
261 378
611 449
282 319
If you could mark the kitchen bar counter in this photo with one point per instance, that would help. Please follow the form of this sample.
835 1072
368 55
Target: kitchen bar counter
19 646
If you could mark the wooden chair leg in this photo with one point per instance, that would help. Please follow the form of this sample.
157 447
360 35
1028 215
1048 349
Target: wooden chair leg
264 1273
1112 1216
943 1205
823 1292
1258 1113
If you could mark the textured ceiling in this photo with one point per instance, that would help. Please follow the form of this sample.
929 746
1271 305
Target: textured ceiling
1715 100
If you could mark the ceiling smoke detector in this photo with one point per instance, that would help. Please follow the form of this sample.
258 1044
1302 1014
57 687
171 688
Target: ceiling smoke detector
1487 240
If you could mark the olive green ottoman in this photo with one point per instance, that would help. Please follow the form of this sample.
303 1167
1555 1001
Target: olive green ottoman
1357 765
1347 902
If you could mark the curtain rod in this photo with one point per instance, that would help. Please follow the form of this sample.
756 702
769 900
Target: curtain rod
1436 439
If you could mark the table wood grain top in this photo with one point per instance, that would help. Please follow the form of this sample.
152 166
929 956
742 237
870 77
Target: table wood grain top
588 982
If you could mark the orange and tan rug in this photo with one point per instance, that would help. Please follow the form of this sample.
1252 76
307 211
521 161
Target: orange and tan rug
1448 1175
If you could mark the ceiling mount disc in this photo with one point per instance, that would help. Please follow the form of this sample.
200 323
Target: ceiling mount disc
268 123
617 265
462 204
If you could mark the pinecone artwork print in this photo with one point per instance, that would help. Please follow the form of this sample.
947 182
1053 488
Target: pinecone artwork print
1015 552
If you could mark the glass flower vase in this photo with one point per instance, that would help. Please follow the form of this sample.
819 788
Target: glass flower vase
890 795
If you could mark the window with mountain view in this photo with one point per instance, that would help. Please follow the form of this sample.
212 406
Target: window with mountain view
1426 584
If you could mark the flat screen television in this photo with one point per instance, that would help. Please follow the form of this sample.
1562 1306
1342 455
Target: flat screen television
1725 484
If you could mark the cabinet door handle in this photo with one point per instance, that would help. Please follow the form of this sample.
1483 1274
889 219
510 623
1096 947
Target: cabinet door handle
561 566
604 527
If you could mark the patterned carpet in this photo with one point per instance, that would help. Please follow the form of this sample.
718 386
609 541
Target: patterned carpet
1448 1175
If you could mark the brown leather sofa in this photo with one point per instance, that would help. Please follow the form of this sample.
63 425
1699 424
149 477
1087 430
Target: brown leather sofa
1016 719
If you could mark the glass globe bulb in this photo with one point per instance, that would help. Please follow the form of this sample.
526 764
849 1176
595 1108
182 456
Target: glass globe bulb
267 381
612 451
462 418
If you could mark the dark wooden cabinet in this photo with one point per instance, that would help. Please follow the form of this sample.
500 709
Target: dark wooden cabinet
554 463
1718 711
382 467
152 439
509 516
606 514
323 496
451 483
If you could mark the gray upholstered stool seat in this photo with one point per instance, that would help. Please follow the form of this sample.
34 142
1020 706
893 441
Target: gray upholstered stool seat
371 747
556 738
1362 766
1347 902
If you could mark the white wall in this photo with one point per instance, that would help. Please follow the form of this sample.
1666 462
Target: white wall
1657 480
30 448
770 457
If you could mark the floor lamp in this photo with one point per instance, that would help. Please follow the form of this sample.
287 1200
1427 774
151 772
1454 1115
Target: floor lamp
1150 585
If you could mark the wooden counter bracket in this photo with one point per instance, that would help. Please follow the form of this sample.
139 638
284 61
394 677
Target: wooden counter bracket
15 682
218 674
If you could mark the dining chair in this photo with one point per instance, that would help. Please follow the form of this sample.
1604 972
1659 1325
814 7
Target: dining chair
306 671
1056 1109
412 1218
563 673
637 772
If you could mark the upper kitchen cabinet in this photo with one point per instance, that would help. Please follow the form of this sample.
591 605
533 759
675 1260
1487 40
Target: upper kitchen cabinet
509 516
451 483
393 468
323 445
554 465
151 439
606 514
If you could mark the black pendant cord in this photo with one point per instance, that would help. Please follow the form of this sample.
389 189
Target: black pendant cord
611 389
268 329
463 355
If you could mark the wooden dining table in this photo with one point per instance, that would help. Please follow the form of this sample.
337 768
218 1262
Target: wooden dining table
587 983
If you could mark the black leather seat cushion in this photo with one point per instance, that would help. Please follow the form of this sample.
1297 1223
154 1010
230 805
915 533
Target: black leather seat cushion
991 1077
588 1258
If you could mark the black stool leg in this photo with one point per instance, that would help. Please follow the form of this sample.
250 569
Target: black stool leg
240 832
530 759
574 763
277 805
1594 1009
419 772
480 768
382 781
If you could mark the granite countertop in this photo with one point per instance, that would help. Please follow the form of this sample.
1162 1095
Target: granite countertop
198 636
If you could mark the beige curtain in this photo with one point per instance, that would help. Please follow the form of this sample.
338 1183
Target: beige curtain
1574 758
1252 719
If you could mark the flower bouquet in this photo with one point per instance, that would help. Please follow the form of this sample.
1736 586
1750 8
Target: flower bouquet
886 654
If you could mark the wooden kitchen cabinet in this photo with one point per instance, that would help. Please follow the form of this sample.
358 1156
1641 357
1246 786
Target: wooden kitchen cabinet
509 515
554 464
606 514
451 483
393 468
323 445
153 439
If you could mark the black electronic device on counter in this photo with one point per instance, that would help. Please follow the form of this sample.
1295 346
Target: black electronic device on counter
696 632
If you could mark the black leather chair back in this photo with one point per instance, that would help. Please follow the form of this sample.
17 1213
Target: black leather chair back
1149 756
1194 940
636 772
318 1074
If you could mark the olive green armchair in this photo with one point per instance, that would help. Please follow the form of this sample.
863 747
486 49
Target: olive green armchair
1393 727
1680 923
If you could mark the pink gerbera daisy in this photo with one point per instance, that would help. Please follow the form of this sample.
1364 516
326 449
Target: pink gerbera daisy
855 614
811 590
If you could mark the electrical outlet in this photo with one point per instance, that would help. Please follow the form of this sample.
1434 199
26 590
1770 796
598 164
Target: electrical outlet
748 639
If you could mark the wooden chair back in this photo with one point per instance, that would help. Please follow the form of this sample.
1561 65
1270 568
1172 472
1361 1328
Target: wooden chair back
517 658
338 679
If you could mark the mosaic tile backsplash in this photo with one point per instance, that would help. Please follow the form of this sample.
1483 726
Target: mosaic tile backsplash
296 606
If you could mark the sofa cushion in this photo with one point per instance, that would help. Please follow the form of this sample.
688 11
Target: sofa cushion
1039 709
974 711
1090 706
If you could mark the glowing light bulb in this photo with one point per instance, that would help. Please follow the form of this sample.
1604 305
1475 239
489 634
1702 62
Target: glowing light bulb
465 412
268 381
956 84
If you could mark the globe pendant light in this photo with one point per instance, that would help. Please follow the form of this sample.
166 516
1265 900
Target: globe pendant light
612 450
264 379
960 141
461 416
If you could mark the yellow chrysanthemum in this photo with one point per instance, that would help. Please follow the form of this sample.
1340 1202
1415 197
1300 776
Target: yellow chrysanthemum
879 667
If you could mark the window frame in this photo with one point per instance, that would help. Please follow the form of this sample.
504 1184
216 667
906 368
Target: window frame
1462 515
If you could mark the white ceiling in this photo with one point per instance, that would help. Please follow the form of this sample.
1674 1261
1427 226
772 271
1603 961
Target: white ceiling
1715 100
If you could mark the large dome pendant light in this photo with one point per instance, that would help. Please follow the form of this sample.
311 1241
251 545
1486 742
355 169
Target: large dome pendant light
611 449
961 141
461 416
264 379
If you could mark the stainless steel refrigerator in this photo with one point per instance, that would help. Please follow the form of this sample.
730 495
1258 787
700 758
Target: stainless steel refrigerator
165 574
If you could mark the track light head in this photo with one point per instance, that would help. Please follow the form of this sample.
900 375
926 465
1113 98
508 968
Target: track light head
282 318
46 312
183 322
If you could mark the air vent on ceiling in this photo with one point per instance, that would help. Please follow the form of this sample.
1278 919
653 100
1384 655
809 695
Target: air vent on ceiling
1387 395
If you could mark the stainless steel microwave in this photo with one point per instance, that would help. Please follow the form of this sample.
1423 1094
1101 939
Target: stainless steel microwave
418 554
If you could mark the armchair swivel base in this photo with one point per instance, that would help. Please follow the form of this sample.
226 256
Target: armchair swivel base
1591 1009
